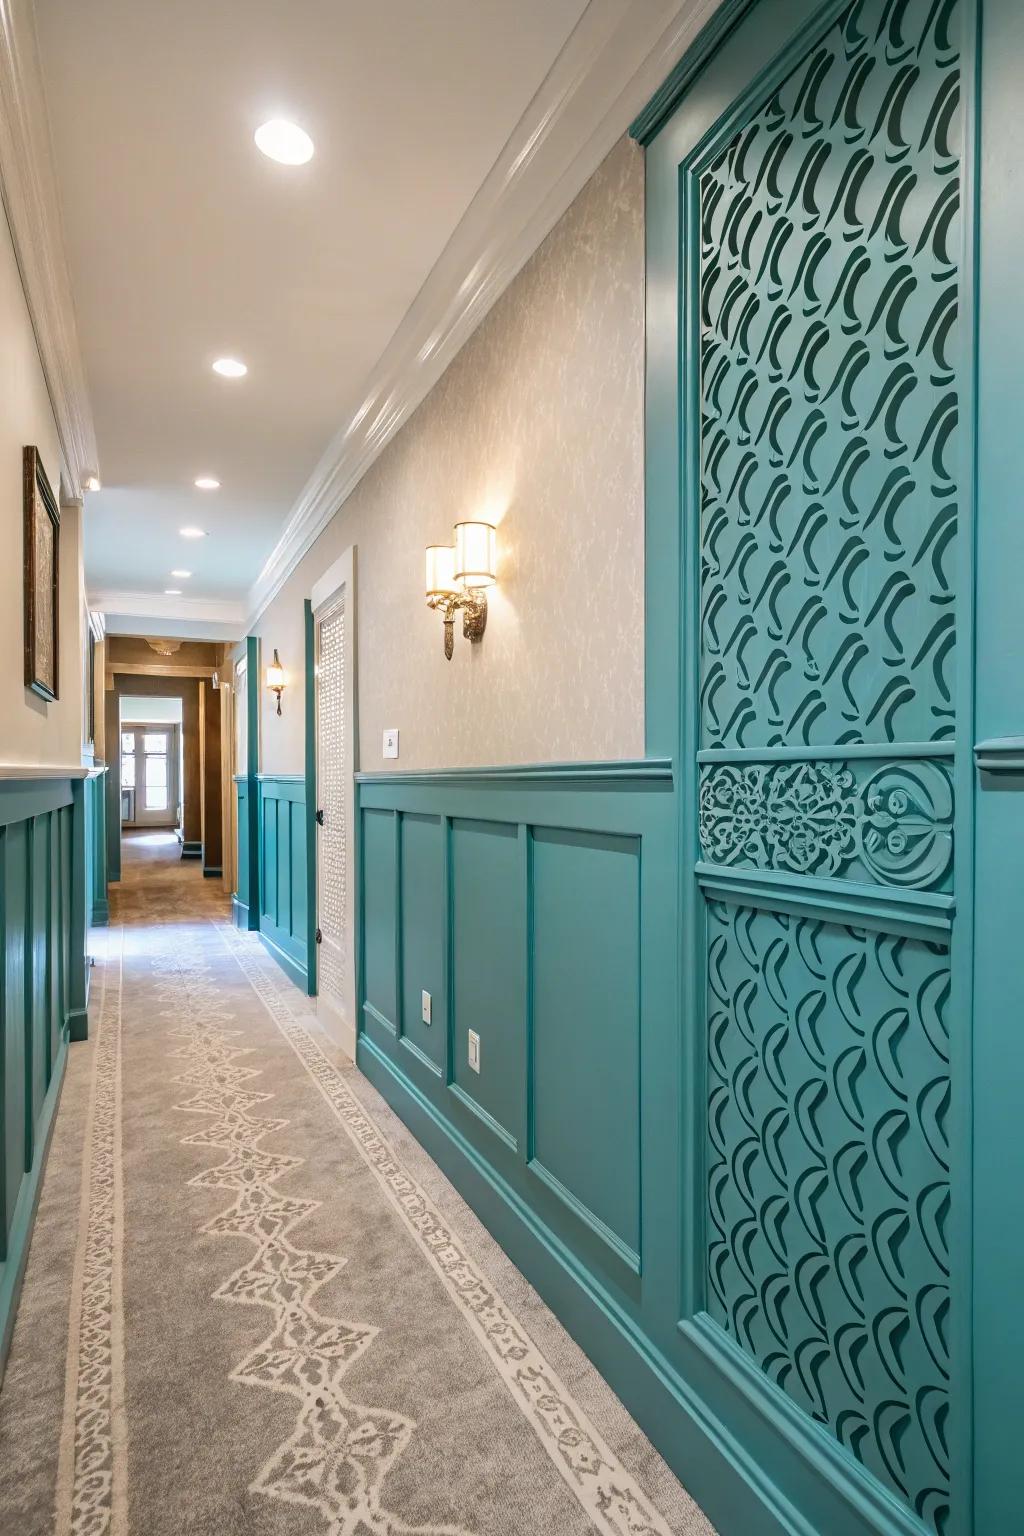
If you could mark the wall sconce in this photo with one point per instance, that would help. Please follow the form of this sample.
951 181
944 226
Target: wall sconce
276 679
456 578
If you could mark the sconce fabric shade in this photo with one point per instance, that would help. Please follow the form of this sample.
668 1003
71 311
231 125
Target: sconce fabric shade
275 673
475 554
441 580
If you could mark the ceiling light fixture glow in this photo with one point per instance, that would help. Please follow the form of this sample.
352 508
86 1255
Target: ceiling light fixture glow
181 575
230 368
172 591
207 483
284 142
192 533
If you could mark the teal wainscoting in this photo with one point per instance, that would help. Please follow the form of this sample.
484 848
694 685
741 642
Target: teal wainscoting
42 994
244 900
96 848
284 916
538 908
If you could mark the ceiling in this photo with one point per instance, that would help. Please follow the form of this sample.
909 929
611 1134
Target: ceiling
185 244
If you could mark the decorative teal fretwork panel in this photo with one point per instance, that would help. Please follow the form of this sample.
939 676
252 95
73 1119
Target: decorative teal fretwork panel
830 231
890 823
828 1100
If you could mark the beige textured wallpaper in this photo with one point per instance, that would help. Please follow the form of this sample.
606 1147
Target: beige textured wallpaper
537 424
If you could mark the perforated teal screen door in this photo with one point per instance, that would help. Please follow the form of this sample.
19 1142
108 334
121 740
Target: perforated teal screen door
826 617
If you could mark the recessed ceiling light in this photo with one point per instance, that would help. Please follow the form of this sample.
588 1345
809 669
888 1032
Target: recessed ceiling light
230 368
172 591
284 142
92 481
207 483
192 533
182 575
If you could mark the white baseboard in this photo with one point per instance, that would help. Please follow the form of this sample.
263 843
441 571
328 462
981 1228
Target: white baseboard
337 1026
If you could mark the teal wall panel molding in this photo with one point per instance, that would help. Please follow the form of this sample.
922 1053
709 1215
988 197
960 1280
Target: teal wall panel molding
43 901
245 907
96 847
309 639
282 872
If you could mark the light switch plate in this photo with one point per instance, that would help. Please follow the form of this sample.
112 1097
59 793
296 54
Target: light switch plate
426 1007
391 743
474 1050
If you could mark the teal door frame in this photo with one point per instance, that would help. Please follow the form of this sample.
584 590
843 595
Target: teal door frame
245 904
309 700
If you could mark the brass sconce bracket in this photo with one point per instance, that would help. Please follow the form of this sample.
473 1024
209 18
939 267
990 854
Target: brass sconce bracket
474 617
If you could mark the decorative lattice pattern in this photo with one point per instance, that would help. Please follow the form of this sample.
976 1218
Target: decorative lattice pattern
829 1095
830 232
332 770
829 284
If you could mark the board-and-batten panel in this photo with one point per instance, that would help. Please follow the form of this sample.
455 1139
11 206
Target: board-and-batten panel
43 905
515 902
826 251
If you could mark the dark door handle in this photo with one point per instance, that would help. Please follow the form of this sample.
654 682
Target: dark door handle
319 818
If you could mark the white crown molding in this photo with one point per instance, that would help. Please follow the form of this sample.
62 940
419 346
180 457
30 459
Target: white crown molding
218 612
29 189
612 63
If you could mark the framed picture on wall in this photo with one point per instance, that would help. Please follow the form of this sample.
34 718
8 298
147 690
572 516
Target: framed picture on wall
42 579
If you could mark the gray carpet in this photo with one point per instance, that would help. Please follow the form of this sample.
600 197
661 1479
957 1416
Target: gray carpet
254 1305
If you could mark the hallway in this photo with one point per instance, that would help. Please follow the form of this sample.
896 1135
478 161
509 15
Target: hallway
253 1304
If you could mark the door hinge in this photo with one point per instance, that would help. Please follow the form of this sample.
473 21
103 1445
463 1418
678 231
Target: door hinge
319 937
319 818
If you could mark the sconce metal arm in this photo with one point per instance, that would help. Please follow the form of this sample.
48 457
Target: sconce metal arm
473 604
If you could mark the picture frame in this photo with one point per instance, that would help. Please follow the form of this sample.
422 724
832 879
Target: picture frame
42 580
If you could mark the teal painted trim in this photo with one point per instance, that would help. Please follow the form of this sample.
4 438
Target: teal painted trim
872 751
292 967
691 1410
621 1250
251 829
421 1056
96 814
212 872
77 1024
239 914
43 902
493 1125
375 1014
642 770
1004 754
311 824
78 941
21 799
281 871
919 914
873 1507
994 1050
191 850
19 1235
667 97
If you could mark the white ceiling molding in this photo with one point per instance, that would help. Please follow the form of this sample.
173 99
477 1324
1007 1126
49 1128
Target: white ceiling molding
614 60
212 614
30 200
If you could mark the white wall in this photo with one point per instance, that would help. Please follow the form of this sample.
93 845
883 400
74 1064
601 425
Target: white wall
31 730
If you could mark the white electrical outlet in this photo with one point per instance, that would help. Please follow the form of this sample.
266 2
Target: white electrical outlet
426 1007
391 743
474 1050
